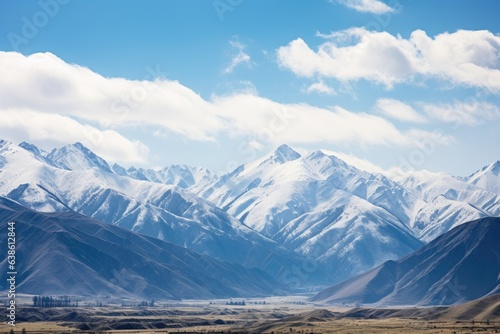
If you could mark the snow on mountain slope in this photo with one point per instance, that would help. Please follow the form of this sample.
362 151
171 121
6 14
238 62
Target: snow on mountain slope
67 253
77 157
428 185
349 234
180 175
441 214
20 178
447 201
164 211
38 153
487 178
271 191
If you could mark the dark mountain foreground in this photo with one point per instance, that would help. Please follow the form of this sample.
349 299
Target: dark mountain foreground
66 253
458 266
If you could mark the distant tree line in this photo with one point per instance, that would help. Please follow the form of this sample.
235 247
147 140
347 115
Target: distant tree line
49 301
236 303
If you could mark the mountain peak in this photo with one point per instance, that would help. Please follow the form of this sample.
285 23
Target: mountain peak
317 154
80 146
77 157
330 159
119 169
30 147
285 153
494 167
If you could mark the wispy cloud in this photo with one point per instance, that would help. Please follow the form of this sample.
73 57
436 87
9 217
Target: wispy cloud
320 88
398 110
241 57
465 58
464 113
47 100
366 6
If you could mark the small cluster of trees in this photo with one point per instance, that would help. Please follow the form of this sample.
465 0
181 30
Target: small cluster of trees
146 303
236 303
49 301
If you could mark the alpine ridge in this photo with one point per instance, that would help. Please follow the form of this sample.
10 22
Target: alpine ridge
275 213
167 212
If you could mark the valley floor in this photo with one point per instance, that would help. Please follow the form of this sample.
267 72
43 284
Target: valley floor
278 317
342 326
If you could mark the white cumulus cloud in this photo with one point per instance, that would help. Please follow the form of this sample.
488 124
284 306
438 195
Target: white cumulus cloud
50 102
466 58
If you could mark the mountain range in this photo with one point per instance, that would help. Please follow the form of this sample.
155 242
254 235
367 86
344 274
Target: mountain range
304 220
459 266
347 218
74 179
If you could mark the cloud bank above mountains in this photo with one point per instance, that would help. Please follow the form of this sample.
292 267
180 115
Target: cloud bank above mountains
48 101
45 100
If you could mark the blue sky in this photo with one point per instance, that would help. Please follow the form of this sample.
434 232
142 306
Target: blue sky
413 84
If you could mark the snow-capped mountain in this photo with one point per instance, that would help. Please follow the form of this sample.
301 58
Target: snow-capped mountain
163 211
77 157
346 218
446 201
487 178
67 253
321 207
268 193
458 266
